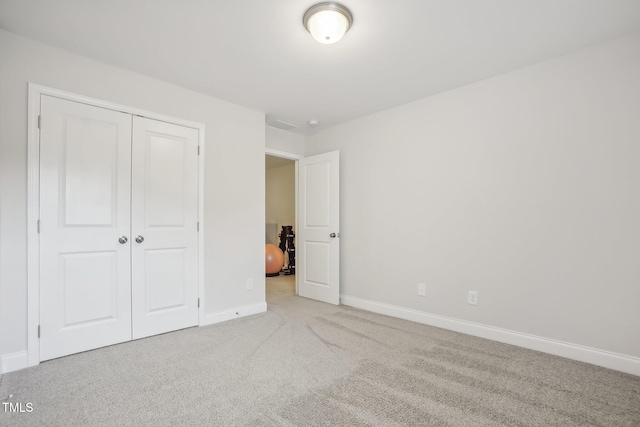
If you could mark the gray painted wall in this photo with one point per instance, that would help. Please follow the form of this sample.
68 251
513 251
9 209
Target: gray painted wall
524 187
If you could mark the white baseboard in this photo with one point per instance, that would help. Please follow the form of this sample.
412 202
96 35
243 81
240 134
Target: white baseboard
13 362
235 313
618 362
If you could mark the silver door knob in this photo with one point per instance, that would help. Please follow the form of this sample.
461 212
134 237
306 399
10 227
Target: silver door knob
123 239
332 235
139 239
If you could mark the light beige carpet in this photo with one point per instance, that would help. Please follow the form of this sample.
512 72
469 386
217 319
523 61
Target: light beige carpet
305 363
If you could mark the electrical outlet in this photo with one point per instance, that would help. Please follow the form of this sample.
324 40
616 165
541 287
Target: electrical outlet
422 289
249 284
472 298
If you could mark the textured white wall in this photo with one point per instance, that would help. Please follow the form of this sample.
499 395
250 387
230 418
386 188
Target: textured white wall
235 173
524 187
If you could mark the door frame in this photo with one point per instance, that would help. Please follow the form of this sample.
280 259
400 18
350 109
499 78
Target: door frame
35 92
295 158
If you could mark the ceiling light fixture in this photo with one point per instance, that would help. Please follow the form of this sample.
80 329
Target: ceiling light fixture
327 22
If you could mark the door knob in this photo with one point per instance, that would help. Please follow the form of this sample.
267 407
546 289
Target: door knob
123 239
139 239
332 235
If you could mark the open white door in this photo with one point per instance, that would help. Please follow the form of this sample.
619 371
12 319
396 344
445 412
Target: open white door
318 233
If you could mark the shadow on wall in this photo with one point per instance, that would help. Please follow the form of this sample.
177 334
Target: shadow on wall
272 234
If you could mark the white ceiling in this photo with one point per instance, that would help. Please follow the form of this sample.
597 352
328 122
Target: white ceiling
256 53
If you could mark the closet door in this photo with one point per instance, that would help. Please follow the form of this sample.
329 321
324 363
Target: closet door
164 227
85 165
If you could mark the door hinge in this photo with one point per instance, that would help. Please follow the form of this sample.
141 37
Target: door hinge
38 331
38 225
39 122
198 226
198 302
198 150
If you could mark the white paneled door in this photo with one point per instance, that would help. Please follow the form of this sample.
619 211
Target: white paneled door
85 272
118 216
319 227
164 217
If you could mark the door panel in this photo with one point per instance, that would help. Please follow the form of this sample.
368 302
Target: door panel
165 181
88 167
317 259
85 287
317 177
89 298
319 211
165 279
164 214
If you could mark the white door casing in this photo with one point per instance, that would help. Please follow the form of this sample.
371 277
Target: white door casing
163 223
318 233
85 292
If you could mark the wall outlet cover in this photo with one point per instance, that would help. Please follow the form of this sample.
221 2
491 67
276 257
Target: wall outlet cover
472 298
422 289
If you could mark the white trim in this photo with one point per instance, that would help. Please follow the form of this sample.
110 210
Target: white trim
13 362
33 211
234 313
618 362
33 199
297 220
44 90
283 154
201 172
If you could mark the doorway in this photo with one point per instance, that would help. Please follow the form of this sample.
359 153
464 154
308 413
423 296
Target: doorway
317 225
280 219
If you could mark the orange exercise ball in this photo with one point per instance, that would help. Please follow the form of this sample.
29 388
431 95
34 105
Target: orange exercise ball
274 260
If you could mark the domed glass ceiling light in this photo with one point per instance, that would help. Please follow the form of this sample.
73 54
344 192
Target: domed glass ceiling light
327 22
